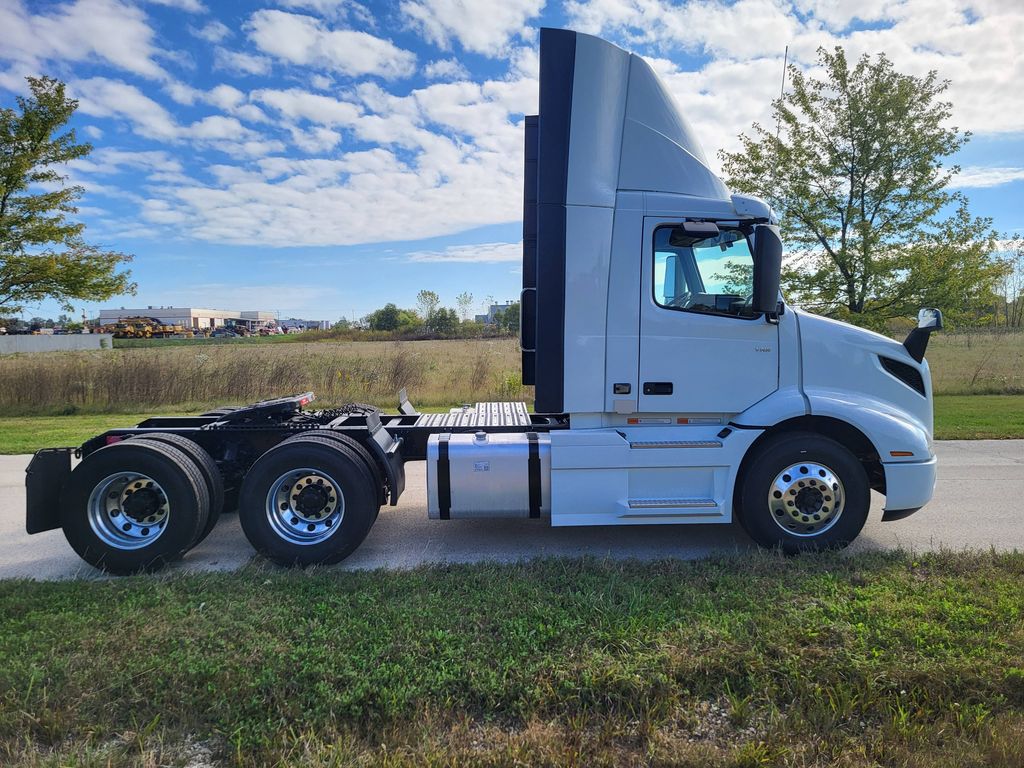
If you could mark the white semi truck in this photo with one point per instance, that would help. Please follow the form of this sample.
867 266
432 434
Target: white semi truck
673 384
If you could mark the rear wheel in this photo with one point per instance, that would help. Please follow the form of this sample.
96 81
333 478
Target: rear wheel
803 492
309 500
134 506
207 466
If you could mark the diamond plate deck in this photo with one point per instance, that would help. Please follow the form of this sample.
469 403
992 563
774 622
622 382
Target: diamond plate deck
480 415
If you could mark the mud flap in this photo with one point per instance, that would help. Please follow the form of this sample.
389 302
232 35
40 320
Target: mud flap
45 478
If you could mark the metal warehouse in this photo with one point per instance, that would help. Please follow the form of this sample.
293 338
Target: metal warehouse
191 317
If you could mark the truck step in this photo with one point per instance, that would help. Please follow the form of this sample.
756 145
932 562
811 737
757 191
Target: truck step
676 444
671 504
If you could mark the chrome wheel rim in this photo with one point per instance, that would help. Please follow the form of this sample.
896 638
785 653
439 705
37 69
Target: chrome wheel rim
806 499
128 510
305 506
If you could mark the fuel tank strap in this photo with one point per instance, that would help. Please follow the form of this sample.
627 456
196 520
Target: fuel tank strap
444 477
533 471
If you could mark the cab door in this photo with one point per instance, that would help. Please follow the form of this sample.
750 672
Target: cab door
702 350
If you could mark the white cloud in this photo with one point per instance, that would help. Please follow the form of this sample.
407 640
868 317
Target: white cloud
108 160
102 97
240 62
979 176
93 132
485 28
306 41
119 100
974 43
85 30
445 69
190 6
480 253
297 104
332 9
213 32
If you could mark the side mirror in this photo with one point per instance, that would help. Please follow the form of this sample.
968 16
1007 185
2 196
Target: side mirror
930 318
916 343
767 270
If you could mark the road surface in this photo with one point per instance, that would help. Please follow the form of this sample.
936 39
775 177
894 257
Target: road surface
978 504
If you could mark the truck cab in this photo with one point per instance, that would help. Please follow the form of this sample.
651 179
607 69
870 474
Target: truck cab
651 315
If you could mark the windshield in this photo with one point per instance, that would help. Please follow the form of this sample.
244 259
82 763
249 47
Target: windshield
714 274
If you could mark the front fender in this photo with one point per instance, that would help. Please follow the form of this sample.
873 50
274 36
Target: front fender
889 428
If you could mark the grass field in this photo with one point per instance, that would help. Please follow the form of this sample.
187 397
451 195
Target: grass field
436 373
888 660
958 417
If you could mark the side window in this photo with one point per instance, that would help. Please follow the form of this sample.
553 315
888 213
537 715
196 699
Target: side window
713 275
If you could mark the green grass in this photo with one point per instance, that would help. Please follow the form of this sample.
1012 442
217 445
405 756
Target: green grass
975 417
27 434
884 659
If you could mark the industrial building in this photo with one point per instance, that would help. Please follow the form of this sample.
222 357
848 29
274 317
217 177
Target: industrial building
195 318
492 312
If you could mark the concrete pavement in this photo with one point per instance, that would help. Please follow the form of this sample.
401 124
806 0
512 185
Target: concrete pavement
978 504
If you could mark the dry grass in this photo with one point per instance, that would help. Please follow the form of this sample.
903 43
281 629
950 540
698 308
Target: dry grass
436 373
977 363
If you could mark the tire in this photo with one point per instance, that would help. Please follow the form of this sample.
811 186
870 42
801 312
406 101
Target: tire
207 466
803 492
353 445
141 473
290 525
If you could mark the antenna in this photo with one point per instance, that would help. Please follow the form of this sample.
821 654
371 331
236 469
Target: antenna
782 91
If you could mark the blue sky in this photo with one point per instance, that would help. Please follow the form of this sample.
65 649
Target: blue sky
323 157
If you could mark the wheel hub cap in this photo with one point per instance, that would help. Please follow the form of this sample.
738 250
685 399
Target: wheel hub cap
305 506
806 499
128 510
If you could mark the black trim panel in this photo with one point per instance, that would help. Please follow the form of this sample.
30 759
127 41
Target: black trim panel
533 473
528 298
897 514
557 65
906 373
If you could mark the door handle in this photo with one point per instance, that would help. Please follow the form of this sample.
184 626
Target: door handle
657 387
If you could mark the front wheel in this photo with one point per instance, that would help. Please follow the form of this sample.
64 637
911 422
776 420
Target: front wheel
803 492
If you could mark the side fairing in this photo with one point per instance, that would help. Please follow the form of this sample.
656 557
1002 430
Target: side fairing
606 125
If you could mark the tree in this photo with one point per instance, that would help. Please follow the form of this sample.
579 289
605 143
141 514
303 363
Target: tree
427 302
1012 288
391 318
465 302
443 322
384 319
507 320
42 252
855 168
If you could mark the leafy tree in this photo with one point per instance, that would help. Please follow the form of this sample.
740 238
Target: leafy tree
42 252
465 302
855 168
384 319
427 302
507 320
1012 288
391 318
443 321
